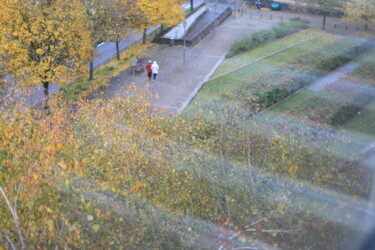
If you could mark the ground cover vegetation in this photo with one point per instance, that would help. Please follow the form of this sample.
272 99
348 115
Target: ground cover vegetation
338 101
334 105
266 36
265 83
114 173
246 140
362 125
242 59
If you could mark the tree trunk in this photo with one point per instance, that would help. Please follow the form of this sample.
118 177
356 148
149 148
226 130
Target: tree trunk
144 36
161 29
118 50
324 21
366 26
91 72
191 5
45 94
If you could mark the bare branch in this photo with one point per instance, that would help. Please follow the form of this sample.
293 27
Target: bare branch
31 206
8 239
15 218
17 195
250 248
295 231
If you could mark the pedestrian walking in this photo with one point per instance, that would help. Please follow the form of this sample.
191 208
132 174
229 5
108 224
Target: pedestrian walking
155 70
259 6
149 70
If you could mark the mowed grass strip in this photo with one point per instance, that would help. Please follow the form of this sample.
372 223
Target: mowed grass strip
362 125
221 90
294 100
246 57
365 73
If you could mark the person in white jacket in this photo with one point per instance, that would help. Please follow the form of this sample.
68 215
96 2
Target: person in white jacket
155 70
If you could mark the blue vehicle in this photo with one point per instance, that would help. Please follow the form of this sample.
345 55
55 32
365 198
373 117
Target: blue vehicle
276 6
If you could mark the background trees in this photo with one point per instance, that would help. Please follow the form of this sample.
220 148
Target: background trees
362 11
325 6
98 18
125 17
47 41
165 12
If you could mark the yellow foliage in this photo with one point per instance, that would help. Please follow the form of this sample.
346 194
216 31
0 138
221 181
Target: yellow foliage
167 12
48 42
96 227
362 11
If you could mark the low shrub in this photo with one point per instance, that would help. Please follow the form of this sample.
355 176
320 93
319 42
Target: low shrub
364 74
266 36
241 46
274 86
333 55
335 105
271 87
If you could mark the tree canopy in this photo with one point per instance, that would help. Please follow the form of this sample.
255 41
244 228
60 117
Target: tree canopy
47 41
362 11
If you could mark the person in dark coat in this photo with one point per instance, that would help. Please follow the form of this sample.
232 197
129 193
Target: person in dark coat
259 6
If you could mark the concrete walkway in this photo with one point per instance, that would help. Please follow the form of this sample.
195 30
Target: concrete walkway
334 76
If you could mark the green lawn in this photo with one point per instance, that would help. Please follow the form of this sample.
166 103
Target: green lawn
244 58
363 124
222 90
368 57
292 101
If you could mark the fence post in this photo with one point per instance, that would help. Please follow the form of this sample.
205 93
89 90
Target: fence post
346 27
335 25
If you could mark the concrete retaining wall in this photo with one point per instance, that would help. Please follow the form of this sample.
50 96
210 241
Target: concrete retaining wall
200 35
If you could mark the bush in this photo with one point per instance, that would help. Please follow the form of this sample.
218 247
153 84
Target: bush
270 88
274 86
240 47
364 74
266 36
334 55
335 105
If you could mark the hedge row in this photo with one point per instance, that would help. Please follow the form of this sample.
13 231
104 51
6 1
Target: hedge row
335 105
333 55
266 36
364 74
270 88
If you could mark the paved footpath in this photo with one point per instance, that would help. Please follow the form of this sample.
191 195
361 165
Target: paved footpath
176 84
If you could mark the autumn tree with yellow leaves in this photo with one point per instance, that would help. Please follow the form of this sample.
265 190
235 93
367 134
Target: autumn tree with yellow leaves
97 14
124 18
362 11
46 41
165 12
